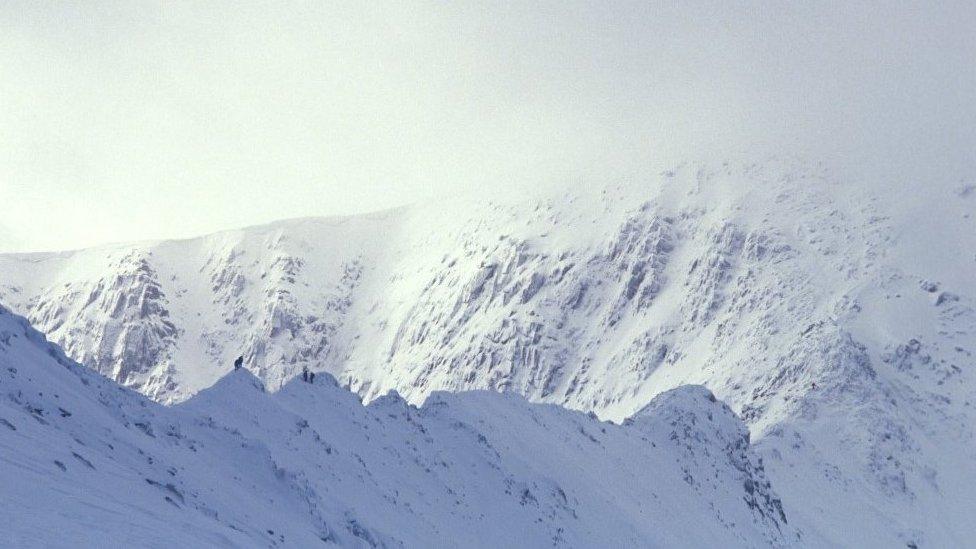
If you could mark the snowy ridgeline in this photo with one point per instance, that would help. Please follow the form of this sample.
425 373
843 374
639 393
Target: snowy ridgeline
86 462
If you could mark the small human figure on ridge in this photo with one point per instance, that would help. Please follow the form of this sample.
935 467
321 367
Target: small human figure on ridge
239 363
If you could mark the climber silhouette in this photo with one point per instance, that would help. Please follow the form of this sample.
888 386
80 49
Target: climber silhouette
238 363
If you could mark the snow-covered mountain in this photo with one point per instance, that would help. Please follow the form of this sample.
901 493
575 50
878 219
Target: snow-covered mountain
88 463
169 318
833 311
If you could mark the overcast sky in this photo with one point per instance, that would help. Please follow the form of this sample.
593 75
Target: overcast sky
132 120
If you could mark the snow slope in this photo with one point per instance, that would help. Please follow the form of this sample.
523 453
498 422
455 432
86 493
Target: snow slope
833 310
88 463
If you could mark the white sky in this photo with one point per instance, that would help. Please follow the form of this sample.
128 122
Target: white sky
132 120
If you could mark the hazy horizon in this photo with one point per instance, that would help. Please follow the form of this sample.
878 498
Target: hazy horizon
135 121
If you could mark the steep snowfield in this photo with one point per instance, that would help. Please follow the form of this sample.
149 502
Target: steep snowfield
834 312
88 463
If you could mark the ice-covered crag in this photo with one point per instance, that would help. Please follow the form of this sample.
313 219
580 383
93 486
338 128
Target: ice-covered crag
169 318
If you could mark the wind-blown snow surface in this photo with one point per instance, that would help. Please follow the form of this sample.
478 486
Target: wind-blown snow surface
88 463
834 313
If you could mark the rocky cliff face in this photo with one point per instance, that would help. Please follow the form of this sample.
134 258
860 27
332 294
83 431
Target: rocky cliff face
169 318
118 322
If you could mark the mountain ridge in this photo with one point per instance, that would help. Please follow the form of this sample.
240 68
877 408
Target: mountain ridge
311 465
825 310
